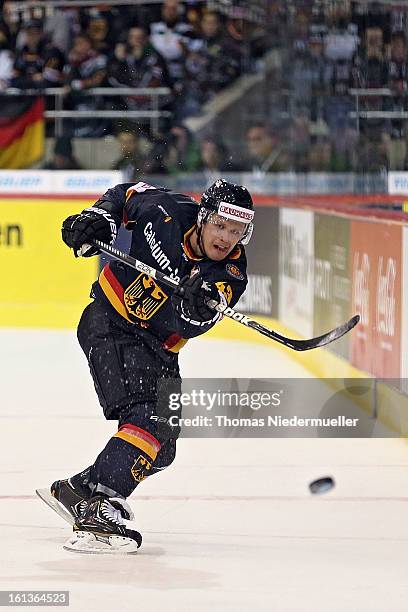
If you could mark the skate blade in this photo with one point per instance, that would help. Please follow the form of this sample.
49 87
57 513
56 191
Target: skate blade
45 495
88 543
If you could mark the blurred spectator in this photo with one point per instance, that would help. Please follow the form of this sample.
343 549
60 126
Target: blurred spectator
320 155
299 140
98 32
308 72
265 150
137 64
276 30
106 23
224 59
131 161
184 153
122 17
158 156
341 78
375 16
344 143
398 20
300 74
63 158
325 156
170 37
300 31
193 15
370 68
212 62
237 33
397 67
10 25
320 76
196 90
398 83
6 59
215 157
87 69
61 26
370 71
340 45
211 29
186 148
37 63
175 153
342 39
371 154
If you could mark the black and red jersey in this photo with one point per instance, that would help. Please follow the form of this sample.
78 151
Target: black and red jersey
161 223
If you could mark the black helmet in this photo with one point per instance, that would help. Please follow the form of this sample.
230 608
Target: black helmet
230 201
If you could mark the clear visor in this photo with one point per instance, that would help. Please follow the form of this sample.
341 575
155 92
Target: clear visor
238 230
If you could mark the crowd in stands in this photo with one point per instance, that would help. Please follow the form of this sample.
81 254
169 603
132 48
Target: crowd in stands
172 154
181 46
326 50
331 54
179 152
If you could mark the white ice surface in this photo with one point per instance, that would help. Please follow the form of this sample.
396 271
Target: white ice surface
229 526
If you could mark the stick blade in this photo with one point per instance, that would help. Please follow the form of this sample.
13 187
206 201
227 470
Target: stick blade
311 343
332 335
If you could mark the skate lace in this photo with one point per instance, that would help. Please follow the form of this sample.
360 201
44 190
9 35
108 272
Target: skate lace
108 512
80 508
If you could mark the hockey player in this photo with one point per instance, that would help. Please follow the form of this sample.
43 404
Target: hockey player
132 331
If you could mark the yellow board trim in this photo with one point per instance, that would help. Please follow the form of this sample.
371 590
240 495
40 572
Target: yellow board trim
139 443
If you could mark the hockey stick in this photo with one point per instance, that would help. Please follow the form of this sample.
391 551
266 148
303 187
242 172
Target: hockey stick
297 345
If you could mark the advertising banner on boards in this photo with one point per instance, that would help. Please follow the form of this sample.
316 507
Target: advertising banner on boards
376 296
43 284
61 182
332 279
261 295
404 315
296 270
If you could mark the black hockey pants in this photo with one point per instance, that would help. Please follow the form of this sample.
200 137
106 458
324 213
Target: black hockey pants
131 379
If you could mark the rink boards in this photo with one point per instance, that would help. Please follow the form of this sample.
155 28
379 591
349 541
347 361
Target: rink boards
309 271
42 284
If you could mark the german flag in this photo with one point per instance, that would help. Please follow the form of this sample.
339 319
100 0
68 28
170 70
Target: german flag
21 132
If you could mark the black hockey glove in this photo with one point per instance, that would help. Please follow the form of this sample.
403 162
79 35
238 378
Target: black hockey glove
91 224
189 299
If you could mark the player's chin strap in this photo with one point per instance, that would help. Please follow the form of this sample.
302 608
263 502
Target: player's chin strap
201 219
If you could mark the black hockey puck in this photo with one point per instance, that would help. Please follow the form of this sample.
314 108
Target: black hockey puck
321 485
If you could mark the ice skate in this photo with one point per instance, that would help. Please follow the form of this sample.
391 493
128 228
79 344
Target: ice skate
101 529
67 500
